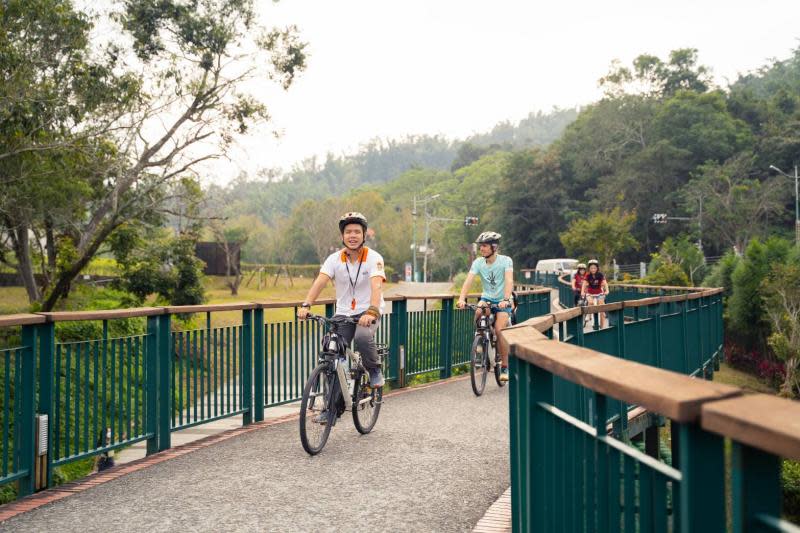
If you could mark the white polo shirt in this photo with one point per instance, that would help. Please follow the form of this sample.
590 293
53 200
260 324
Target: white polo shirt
352 280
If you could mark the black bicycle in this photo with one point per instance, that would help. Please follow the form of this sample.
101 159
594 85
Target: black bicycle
335 386
484 351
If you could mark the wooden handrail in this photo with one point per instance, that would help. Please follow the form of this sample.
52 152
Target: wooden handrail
674 395
763 421
207 308
62 316
21 319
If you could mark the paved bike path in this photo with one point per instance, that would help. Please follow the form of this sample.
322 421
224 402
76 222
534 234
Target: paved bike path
436 461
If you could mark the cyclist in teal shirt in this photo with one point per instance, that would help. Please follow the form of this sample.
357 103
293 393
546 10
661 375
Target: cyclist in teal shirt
497 277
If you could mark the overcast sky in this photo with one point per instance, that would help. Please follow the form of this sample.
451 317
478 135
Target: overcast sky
382 68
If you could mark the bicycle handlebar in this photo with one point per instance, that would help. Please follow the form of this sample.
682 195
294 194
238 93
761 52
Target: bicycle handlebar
333 320
489 307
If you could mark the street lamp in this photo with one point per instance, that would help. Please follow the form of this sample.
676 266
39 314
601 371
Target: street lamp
423 202
796 206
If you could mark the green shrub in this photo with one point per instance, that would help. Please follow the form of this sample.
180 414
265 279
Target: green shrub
461 277
790 478
671 274
720 274
748 318
84 298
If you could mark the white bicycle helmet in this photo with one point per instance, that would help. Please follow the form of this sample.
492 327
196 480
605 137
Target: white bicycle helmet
352 218
488 237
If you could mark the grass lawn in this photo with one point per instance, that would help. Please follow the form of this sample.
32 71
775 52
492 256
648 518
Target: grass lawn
218 292
13 300
749 382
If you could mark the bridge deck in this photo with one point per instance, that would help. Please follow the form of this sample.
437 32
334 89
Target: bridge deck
437 460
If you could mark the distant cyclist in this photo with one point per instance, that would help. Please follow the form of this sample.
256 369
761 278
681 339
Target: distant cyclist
357 274
595 287
497 277
577 282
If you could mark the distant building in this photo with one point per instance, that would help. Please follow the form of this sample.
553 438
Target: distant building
213 255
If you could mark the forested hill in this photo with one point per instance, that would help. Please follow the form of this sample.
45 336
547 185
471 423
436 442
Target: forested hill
663 140
274 193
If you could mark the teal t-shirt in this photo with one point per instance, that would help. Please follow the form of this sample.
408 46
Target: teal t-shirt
492 276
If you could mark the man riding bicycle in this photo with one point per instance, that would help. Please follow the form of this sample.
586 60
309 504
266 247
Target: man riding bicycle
595 287
497 277
358 275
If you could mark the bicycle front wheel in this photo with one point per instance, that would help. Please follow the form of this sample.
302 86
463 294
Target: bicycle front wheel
498 364
366 404
479 365
316 411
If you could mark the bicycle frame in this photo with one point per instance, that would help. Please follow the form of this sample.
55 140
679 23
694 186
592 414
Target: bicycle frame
332 355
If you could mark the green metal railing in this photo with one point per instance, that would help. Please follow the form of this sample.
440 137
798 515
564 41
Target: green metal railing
572 467
619 292
105 393
18 398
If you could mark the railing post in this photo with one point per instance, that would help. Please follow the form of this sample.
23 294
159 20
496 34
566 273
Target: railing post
622 424
706 359
47 347
151 384
247 366
24 427
445 338
517 417
702 498
756 483
539 460
658 345
330 309
164 353
684 339
720 337
259 360
601 466
395 336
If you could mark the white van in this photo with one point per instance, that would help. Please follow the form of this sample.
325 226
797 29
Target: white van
561 266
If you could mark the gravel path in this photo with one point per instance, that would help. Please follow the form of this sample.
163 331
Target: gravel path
436 461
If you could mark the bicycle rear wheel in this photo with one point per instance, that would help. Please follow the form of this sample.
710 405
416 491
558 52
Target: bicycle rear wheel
366 404
316 410
479 365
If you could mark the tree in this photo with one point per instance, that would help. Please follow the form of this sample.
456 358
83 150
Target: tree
531 203
652 77
231 237
154 262
55 102
181 102
735 206
603 235
747 316
782 304
320 222
683 253
701 124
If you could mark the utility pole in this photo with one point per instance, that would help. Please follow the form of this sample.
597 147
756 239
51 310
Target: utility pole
700 228
414 239
796 204
427 237
414 214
